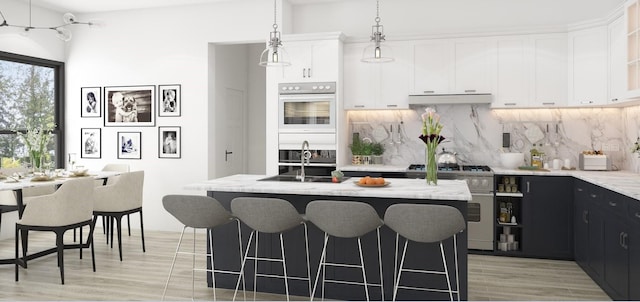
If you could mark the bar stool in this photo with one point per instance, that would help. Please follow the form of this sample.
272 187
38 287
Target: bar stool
199 212
425 223
269 215
345 219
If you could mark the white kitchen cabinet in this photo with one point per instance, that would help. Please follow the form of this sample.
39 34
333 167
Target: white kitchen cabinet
632 22
432 67
512 76
617 61
588 67
474 65
454 66
312 61
376 85
549 70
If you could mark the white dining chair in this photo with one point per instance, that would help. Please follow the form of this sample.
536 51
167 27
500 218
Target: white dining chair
121 197
68 208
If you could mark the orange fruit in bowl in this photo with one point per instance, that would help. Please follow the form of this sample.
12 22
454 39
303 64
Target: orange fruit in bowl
371 181
379 181
362 181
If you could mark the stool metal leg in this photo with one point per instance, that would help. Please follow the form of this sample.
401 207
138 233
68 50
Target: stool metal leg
446 271
404 252
284 268
244 261
241 275
364 273
320 268
255 267
455 253
213 273
306 242
380 265
173 263
193 266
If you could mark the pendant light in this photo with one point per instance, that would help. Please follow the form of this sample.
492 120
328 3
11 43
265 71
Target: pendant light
376 52
274 54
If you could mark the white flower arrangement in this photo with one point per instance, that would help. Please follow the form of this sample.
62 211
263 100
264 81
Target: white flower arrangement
36 140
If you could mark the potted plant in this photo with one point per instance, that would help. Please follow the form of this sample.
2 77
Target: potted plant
356 151
377 149
367 151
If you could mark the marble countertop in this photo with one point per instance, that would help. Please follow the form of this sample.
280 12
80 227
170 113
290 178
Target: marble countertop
397 188
624 182
374 168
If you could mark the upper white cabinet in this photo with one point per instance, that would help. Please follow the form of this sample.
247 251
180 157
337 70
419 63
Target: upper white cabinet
588 67
549 71
474 65
512 75
376 86
632 13
453 66
432 67
617 61
311 61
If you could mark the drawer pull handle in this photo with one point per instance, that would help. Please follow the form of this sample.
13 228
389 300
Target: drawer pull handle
613 204
510 104
593 195
580 190
470 91
429 91
637 214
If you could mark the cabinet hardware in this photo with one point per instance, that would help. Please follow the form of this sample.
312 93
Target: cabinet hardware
586 102
585 216
309 72
470 91
637 214
226 154
624 241
548 103
620 239
593 195
528 187
580 189
304 72
358 106
614 100
510 104
392 106
613 204
429 91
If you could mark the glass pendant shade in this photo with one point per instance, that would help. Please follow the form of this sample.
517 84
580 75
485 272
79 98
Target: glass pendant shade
274 56
377 54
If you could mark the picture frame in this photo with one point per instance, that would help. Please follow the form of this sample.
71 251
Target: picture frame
129 145
129 106
90 101
91 140
169 142
169 100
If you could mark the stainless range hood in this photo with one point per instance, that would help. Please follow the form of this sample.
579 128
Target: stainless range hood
463 98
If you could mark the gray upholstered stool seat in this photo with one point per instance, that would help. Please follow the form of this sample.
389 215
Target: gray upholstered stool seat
273 216
199 212
425 223
345 219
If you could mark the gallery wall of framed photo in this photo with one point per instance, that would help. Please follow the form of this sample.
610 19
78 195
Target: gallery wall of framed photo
131 107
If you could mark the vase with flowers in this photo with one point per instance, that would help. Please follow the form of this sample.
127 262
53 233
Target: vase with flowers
36 140
431 128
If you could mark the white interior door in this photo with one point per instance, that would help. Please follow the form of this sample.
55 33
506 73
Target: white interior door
233 154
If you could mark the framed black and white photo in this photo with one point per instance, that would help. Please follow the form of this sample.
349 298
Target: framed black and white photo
91 142
129 106
90 102
169 142
130 145
169 100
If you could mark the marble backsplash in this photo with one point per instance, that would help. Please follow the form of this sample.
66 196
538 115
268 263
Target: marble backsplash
475 132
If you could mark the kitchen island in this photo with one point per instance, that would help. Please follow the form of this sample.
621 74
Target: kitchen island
448 192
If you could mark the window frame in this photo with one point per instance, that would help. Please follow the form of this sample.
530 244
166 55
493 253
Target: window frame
59 96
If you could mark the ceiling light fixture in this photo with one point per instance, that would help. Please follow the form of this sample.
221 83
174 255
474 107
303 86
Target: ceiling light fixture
274 54
62 32
375 52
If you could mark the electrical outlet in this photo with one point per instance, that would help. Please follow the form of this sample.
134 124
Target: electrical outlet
614 147
605 147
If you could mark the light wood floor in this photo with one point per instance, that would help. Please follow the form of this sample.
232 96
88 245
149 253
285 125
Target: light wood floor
141 276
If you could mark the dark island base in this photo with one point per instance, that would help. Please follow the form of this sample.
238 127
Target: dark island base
420 256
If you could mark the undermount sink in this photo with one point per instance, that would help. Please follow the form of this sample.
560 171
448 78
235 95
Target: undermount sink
292 178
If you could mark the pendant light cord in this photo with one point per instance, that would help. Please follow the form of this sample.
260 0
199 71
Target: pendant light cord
275 24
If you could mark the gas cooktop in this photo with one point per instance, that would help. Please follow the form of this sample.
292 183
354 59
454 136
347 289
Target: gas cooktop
452 168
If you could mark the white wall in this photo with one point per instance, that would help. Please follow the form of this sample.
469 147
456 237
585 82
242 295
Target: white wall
256 108
151 47
41 43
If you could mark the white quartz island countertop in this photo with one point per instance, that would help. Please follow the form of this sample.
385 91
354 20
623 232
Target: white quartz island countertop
397 188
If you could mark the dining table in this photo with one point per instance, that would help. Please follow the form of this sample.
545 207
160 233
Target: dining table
18 182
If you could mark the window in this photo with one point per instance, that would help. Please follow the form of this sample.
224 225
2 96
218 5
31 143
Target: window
31 94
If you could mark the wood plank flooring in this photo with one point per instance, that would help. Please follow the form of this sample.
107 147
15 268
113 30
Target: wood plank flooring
141 276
